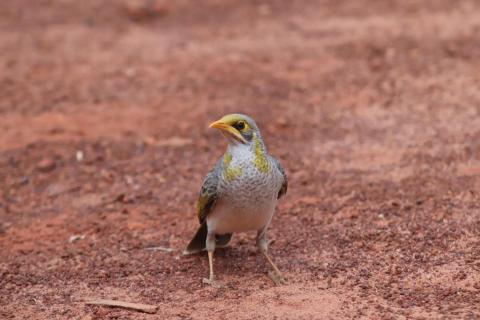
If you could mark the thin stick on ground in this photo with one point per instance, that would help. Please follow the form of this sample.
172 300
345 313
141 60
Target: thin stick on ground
147 308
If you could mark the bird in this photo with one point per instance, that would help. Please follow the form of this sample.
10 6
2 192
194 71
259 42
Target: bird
239 194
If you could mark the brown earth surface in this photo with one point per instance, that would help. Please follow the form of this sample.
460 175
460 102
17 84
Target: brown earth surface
372 106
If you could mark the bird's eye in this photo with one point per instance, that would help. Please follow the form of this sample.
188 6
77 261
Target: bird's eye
240 125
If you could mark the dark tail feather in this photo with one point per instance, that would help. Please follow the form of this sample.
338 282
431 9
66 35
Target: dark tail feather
197 244
222 239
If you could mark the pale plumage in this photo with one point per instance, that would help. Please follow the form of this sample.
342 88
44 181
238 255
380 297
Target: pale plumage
247 201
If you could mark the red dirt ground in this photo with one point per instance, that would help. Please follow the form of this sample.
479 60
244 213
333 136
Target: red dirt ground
372 106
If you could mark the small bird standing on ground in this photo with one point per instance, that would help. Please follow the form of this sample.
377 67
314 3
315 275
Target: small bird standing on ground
240 193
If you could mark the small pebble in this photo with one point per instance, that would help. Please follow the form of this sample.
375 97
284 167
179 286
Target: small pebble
46 165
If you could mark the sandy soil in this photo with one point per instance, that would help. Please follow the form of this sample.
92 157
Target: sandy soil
372 106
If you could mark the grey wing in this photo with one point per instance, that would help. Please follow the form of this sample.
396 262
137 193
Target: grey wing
283 189
208 193
205 204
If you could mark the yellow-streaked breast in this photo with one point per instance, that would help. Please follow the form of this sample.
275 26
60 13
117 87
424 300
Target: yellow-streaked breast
259 160
230 172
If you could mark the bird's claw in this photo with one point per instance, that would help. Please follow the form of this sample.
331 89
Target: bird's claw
212 282
277 278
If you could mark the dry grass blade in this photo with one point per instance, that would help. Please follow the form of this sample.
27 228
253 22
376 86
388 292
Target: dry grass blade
122 304
164 249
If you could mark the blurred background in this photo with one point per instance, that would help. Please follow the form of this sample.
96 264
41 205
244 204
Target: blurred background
372 106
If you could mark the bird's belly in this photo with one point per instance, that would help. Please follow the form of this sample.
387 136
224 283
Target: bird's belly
226 218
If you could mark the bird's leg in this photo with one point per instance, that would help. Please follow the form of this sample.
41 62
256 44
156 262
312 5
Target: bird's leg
210 265
210 244
262 245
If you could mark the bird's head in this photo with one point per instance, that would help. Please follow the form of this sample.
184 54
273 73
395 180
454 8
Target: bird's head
238 128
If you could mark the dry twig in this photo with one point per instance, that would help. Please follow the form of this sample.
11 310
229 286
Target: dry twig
122 304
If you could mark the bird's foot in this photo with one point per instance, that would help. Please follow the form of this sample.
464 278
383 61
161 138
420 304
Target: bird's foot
277 278
212 282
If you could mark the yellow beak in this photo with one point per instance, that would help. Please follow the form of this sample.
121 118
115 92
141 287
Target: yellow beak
228 130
